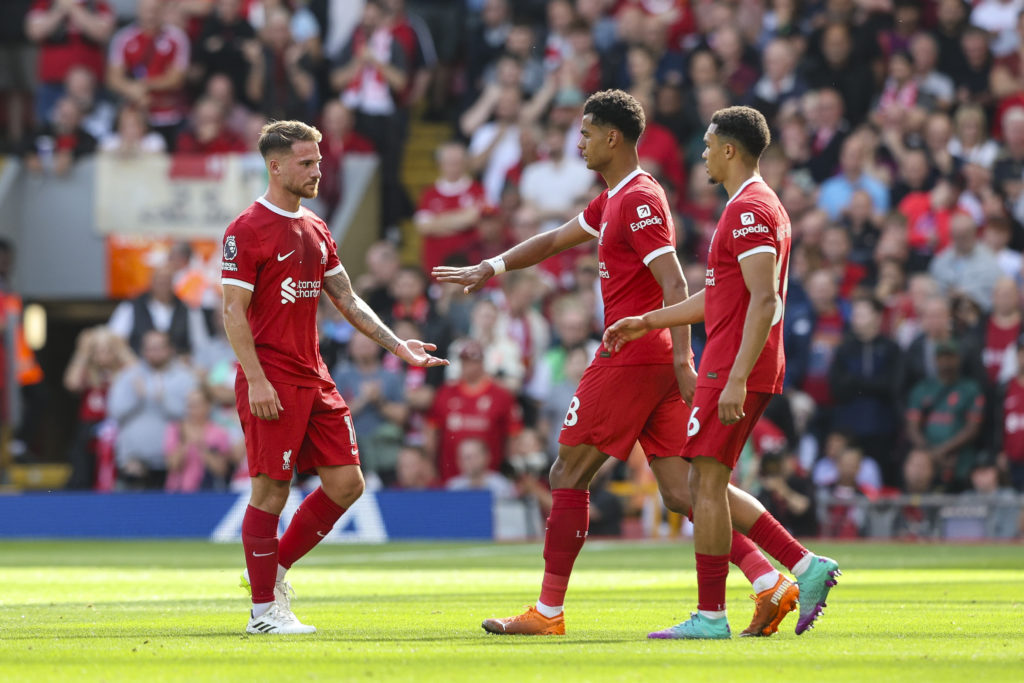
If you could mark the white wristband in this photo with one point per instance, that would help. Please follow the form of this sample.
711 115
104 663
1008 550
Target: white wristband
497 263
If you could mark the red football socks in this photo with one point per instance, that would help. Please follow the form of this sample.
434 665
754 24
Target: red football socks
566 531
777 542
745 555
259 540
712 570
312 522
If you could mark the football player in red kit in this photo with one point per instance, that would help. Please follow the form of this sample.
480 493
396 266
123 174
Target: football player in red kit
278 257
637 394
743 364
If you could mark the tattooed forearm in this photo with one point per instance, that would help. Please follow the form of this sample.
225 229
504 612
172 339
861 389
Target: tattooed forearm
357 312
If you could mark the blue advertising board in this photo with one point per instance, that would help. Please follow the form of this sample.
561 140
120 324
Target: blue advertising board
375 518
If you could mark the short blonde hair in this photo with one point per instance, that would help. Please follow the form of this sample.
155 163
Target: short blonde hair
281 135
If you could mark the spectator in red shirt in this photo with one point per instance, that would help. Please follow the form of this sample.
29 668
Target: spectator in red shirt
835 249
337 123
658 151
69 33
1002 329
207 133
475 406
147 65
449 209
1011 457
99 355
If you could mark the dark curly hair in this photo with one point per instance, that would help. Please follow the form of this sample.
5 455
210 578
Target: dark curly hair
745 126
617 109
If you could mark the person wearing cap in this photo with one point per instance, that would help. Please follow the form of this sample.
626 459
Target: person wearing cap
472 407
944 417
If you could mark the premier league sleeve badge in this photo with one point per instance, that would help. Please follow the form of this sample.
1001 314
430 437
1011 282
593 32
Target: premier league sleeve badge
230 248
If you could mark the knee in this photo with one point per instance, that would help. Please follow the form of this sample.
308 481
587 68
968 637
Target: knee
564 476
558 474
677 501
269 495
345 490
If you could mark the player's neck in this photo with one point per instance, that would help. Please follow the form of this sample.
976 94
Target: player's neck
737 175
283 199
618 169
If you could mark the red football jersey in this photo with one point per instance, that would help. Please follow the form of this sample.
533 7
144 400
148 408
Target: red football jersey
489 413
442 197
145 56
1013 421
282 258
633 225
753 222
72 47
997 340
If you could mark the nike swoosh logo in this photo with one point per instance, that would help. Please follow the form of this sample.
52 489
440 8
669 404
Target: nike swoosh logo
321 534
282 258
256 554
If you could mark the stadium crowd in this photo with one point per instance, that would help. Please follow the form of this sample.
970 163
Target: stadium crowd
898 152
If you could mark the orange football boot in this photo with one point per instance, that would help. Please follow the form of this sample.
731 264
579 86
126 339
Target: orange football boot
771 607
529 623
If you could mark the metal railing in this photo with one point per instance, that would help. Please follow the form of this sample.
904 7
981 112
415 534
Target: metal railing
967 516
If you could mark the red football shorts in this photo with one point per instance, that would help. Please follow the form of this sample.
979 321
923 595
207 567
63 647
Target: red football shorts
314 430
617 405
707 436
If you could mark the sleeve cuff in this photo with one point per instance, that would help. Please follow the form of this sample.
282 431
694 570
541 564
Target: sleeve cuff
237 283
334 271
763 249
667 249
586 226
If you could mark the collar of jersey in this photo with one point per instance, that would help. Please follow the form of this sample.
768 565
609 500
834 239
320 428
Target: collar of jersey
278 210
752 179
624 181
452 188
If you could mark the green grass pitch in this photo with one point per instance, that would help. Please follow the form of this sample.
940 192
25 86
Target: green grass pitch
155 611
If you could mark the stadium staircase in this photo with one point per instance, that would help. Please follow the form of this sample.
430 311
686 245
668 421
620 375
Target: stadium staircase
418 172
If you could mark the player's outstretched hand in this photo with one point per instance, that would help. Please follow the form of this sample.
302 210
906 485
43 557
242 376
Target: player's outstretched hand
473 277
623 331
415 352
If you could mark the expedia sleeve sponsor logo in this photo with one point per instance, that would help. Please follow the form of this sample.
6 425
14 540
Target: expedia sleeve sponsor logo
640 225
751 230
